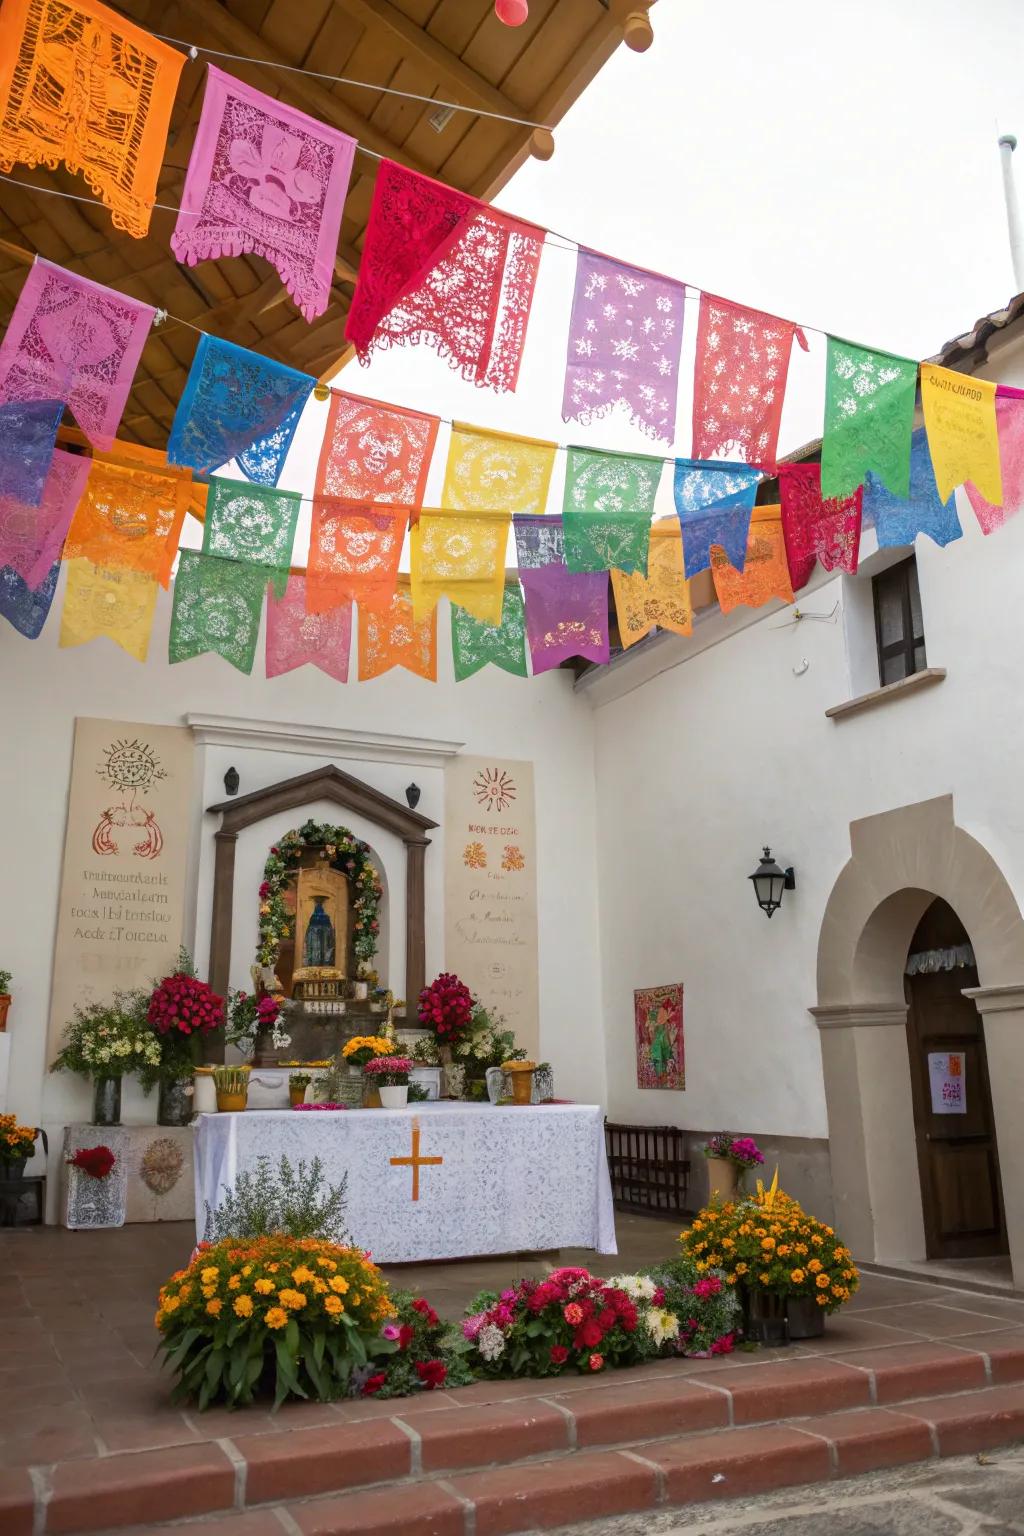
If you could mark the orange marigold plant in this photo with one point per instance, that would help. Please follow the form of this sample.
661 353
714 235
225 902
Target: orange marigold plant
769 1241
16 1141
295 1314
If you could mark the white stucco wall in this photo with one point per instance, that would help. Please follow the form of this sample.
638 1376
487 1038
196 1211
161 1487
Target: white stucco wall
727 749
42 689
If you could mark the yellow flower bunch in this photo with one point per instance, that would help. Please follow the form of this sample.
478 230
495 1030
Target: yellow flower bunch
363 1048
769 1238
300 1310
16 1141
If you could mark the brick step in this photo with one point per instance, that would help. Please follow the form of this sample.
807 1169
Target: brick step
499 1458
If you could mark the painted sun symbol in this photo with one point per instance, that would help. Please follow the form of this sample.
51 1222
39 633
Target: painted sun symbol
130 765
494 789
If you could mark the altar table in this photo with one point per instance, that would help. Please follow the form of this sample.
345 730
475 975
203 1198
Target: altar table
434 1181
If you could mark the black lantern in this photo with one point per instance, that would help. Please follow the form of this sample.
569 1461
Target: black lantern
769 883
231 781
412 794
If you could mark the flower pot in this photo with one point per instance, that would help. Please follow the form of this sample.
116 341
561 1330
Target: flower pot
296 1095
371 1095
231 1103
766 1317
805 1318
13 1169
5 1003
394 1097
360 991
174 1102
495 1079
522 1086
723 1178
106 1101
204 1093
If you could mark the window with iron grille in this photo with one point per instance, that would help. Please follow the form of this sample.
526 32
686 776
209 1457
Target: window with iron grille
899 628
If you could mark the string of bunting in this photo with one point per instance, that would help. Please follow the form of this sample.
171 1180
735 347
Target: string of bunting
440 268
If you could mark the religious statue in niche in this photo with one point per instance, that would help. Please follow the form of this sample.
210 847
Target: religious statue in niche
131 767
319 922
658 1021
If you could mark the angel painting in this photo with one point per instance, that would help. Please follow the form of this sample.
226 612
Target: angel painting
658 1019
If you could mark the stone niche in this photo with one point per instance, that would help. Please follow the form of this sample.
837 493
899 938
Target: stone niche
321 1010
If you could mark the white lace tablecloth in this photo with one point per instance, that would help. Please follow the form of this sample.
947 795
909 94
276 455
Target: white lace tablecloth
510 1180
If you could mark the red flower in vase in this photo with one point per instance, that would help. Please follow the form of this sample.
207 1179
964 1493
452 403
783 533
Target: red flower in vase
184 1005
446 1007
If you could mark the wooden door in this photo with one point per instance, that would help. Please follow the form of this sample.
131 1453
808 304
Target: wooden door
956 1146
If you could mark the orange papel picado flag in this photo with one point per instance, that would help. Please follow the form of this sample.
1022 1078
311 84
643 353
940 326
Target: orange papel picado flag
765 574
81 85
661 599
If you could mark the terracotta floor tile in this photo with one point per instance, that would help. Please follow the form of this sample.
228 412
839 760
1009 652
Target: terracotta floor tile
871 1438
906 1371
934 1321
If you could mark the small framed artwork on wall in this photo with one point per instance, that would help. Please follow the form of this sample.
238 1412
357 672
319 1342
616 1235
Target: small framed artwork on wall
658 1019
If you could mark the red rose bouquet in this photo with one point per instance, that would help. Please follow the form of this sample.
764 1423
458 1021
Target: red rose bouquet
446 1007
97 1162
184 1005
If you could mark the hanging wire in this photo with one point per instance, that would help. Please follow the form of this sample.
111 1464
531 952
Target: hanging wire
195 49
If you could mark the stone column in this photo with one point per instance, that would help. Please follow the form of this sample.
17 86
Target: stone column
1002 1012
876 1185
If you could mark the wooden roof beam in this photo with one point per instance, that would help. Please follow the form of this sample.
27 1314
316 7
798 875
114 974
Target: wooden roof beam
305 92
472 88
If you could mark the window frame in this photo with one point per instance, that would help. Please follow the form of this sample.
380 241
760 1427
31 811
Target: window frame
899 576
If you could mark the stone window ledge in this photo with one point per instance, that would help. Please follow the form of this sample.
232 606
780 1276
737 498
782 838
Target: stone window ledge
924 679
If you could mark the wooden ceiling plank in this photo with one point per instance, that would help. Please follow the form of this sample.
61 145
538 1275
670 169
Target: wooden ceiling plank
304 91
470 87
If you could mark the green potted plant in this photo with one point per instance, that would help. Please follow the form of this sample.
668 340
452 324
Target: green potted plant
298 1082
17 1143
104 1041
5 998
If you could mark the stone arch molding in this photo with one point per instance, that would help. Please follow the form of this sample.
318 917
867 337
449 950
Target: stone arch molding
900 861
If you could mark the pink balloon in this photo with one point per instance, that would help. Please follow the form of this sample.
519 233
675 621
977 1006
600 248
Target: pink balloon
512 12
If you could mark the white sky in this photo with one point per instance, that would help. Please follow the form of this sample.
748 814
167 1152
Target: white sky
833 163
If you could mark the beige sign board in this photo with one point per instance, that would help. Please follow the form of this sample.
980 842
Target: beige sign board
122 898
491 888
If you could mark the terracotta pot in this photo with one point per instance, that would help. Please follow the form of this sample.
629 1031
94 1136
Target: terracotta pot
723 1177
5 1003
371 1096
296 1095
522 1087
805 1318
228 1103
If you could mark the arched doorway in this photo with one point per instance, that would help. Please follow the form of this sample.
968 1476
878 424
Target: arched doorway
957 1152
901 862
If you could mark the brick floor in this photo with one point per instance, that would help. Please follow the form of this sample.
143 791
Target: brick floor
96 1443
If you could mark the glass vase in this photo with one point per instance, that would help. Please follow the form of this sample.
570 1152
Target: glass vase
174 1102
106 1101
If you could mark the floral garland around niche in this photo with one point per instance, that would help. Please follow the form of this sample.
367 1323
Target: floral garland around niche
345 852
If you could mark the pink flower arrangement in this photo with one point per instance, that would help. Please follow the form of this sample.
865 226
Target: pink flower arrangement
567 1321
183 1005
319 1106
446 1007
741 1150
388 1066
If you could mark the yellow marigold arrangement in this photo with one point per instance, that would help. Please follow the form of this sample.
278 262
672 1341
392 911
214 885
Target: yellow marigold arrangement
16 1141
770 1241
363 1048
295 1314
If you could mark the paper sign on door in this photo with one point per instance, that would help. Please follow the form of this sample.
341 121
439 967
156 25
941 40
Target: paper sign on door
947 1082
